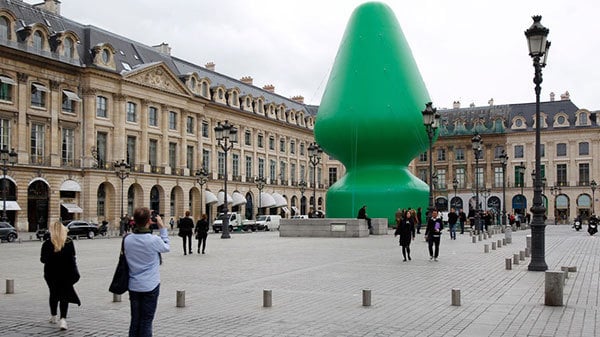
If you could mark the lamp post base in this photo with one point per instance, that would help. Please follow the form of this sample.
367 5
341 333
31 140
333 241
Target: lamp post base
538 261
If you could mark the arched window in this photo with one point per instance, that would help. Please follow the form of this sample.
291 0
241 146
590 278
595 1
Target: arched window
4 28
68 47
38 40
234 99
204 89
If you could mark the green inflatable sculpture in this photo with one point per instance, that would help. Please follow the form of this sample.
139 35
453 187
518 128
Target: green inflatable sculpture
370 118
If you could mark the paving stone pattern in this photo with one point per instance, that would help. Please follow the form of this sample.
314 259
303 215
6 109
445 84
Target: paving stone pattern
317 288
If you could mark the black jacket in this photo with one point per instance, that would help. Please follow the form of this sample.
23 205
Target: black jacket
201 227
431 232
60 270
406 229
186 225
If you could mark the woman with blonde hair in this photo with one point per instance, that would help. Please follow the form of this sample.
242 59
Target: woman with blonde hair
60 272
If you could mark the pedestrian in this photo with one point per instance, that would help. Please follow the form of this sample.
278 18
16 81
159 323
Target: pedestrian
528 218
419 220
142 251
487 220
433 234
452 219
201 231
462 219
405 227
186 227
399 216
131 224
362 214
123 225
171 223
60 272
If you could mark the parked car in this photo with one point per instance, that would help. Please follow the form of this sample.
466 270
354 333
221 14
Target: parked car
82 228
300 216
8 232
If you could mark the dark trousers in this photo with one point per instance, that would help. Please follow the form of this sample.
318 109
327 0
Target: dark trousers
143 307
431 241
406 250
188 238
462 227
202 241
54 301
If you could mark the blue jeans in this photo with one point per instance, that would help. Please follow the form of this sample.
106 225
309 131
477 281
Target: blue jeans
143 307
452 231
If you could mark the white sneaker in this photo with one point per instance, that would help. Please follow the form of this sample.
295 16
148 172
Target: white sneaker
435 259
63 324
52 319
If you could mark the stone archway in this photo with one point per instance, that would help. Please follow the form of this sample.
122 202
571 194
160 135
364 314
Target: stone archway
38 197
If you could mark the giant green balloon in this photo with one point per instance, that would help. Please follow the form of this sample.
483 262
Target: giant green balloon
370 118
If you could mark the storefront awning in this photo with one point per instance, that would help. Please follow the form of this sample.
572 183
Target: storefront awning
279 200
285 210
11 205
266 200
209 198
295 209
70 185
221 198
72 208
238 199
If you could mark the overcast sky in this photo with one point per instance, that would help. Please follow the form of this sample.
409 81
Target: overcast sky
467 50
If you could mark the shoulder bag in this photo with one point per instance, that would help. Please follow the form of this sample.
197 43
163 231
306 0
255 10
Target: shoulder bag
120 281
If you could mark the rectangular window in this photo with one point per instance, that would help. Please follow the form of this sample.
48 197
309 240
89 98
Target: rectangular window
131 112
302 173
272 143
37 143
131 144
441 154
519 152
311 176
584 174
248 167
4 134
519 176
292 147
205 129
172 120
38 95
152 153
584 148
282 172
542 150
261 167
190 125
221 164
282 145
561 149
422 174
6 88
206 160
101 105
293 176
319 175
173 155
235 165
460 176
68 147
498 176
498 150
273 171
152 116
189 161
302 149
459 154
423 157
101 146
248 137
561 175
68 101
332 175
481 177
441 175
260 140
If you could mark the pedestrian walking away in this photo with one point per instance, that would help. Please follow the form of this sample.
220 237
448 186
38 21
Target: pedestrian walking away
462 219
405 228
142 251
60 272
452 219
419 220
433 234
186 228
201 231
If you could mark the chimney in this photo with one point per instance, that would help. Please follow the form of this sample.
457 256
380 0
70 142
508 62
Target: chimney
247 80
298 99
552 97
565 96
210 66
491 102
269 88
472 105
52 6
163 48
456 105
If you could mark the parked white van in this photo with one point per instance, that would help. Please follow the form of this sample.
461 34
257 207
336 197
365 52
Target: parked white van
268 222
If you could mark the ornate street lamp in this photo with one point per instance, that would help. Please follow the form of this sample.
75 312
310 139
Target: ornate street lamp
431 121
314 156
477 144
7 158
485 193
226 135
122 170
455 186
302 186
538 50
504 161
593 185
201 178
555 191
260 184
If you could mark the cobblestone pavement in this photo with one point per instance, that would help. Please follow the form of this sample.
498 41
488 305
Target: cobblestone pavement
317 288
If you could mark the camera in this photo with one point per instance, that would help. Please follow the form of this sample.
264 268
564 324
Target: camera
153 215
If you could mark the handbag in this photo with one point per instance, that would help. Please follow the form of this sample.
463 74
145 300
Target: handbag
120 280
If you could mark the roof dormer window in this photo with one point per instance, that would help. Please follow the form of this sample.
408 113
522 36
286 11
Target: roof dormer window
38 40
4 28
105 56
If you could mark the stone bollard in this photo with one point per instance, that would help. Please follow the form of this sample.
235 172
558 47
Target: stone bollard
508 263
485 236
554 288
180 299
504 241
572 269
565 270
527 253
493 245
486 248
507 235
10 286
515 259
267 298
528 241
479 237
456 297
490 234
366 297
116 298
522 255
30 237
499 243
474 239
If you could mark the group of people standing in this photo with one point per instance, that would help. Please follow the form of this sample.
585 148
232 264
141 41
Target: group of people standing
186 229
